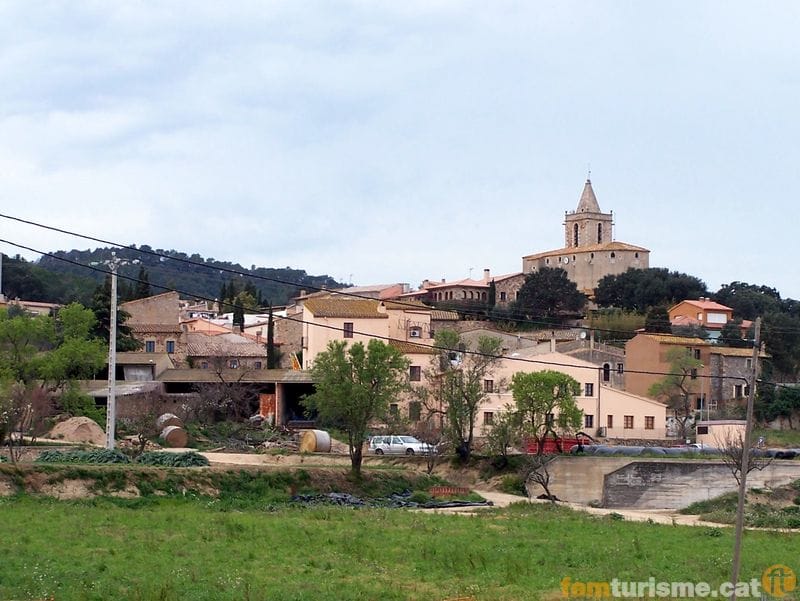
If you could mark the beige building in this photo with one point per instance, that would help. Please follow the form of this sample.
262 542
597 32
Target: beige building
607 412
590 251
337 317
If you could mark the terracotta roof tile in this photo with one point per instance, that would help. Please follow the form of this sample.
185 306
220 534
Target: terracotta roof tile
608 246
337 307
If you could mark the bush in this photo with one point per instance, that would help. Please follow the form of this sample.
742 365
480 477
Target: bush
419 496
513 485
165 459
93 456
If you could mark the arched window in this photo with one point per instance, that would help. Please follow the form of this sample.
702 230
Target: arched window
599 233
575 235
606 372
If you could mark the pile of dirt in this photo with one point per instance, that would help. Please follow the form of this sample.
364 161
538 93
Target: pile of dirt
78 429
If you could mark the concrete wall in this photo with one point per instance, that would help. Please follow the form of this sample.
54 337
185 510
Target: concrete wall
653 483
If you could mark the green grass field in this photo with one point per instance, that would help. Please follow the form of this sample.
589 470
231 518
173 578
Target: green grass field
201 549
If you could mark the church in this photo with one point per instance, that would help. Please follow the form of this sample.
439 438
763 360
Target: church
590 251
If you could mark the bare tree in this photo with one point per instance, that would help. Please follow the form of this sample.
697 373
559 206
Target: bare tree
228 396
143 424
731 448
434 437
536 470
22 413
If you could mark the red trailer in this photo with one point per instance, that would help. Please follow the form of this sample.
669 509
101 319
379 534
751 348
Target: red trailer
561 444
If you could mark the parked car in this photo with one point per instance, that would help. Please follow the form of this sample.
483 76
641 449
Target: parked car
398 445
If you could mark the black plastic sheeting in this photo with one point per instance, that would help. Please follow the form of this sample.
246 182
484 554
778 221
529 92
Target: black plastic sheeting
623 451
397 500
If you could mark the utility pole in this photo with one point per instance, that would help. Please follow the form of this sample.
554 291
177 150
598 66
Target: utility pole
111 405
748 429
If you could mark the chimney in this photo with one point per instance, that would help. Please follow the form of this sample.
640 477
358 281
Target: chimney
486 276
444 281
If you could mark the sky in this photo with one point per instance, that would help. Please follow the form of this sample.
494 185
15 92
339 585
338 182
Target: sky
381 142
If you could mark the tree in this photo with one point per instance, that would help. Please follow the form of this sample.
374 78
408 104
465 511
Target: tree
141 287
657 320
782 341
536 470
545 400
676 388
492 300
549 294
504 433
455 388
39 357
640 289
731 448
101 307
731 334
272 355
354 387
748 301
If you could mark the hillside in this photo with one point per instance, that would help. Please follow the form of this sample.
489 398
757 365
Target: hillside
67 275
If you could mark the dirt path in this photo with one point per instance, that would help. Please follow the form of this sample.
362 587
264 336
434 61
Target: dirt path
499 499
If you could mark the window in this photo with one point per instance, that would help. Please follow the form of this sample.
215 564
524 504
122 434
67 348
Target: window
702 429
415 373
600 235
747 390
348 329
257 365
170 346
694 373
606 372
233 364
588 421
414 411
503 296
697 354
749 363
649 422
737 390
488 418
620 368
204 365
575 235
588 389
150 346
628 425
488 385
393 410
610 422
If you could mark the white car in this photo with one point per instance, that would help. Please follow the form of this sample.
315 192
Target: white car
398 445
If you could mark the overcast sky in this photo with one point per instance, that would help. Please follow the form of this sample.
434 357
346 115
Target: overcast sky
382 142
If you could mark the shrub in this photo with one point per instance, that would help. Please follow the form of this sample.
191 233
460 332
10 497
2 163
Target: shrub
419 496
165 459
93 456
513 485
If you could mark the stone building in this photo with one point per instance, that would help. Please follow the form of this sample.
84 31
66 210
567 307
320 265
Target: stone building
590 251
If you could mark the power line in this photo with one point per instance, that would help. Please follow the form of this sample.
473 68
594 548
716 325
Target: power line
379 337
515 316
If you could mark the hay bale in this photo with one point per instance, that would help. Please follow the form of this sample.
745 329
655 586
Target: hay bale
78 429
175 437
315 441
168 419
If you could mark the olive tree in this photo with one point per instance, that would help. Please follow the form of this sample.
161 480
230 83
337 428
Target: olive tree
545 401
354 387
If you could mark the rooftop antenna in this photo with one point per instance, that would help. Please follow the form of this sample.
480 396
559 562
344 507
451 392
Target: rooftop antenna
589 173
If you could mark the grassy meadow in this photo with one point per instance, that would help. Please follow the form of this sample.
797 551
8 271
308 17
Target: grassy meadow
173 548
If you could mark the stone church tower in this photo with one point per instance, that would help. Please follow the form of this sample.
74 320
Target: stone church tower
590 251
587 225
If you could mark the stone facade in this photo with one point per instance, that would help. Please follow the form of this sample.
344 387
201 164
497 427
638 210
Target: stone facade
590 252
